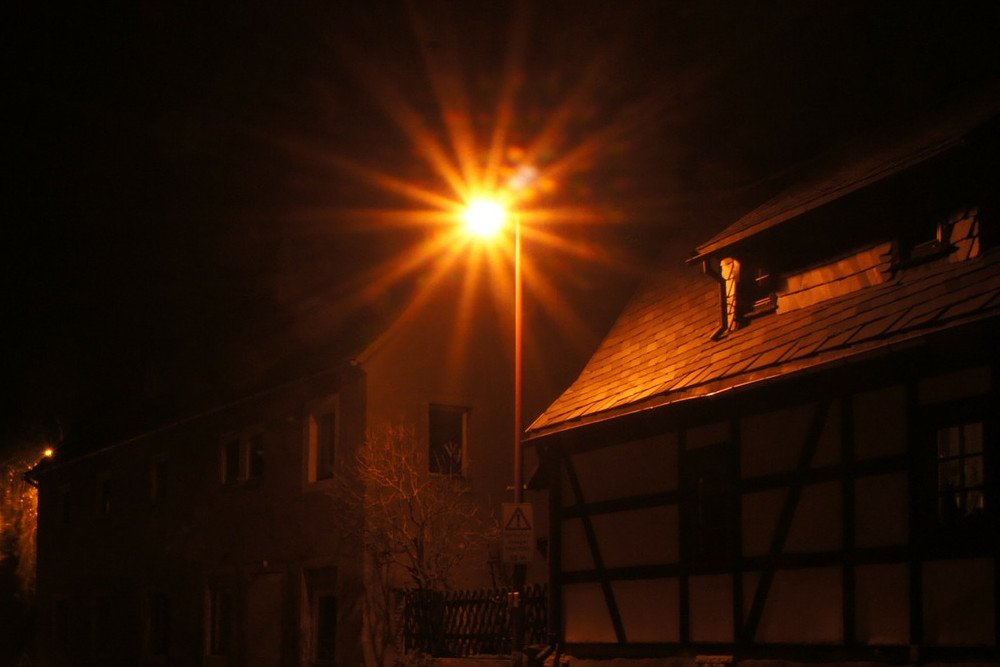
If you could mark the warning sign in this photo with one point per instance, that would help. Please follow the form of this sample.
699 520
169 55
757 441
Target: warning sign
518 522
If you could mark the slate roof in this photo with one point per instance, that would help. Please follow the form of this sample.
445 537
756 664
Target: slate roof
660 350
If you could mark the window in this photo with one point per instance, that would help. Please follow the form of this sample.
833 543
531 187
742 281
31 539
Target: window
242 458
960 472
322 436
255 457
711 504
321 586
66 505
60 624
220 618
447 438
104 496
104 630
231 461
157 624
158 480
325 615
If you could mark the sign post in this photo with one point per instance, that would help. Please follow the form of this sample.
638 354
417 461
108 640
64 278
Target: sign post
518 523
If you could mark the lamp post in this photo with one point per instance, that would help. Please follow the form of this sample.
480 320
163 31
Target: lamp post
485 217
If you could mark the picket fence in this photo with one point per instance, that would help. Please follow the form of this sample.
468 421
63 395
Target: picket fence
469 623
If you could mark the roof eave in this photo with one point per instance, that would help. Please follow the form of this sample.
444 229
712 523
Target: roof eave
827 196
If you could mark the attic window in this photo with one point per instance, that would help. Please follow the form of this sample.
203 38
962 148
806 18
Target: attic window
962 234
957 239
871 266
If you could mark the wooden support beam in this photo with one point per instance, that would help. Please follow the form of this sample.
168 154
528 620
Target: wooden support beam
595 551
781 531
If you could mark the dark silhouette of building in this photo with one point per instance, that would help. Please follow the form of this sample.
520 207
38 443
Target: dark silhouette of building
216 540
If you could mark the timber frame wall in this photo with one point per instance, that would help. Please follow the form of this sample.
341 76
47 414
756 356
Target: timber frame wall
828 395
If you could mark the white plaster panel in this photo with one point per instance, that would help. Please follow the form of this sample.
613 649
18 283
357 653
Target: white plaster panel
958 602
650 609
585 614
880 422
881 510
711 608
882 610
803 606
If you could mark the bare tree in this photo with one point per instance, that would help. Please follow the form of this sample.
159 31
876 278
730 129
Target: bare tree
415 527
18 524
18 518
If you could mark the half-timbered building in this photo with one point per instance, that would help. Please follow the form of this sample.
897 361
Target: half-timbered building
786 447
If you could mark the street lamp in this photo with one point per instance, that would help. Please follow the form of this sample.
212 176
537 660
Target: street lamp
485 217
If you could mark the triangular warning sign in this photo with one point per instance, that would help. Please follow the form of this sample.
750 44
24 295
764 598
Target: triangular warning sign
517 521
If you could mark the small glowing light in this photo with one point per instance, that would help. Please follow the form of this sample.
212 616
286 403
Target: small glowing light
484 217
48 452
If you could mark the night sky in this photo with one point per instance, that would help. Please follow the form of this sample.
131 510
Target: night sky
176 225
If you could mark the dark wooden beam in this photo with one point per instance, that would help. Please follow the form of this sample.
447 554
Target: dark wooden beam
595 551
849 600
781 531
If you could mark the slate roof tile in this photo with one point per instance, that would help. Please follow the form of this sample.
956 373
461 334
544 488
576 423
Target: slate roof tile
675 353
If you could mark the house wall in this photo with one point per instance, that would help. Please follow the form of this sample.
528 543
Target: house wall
118 547
801 525
454 347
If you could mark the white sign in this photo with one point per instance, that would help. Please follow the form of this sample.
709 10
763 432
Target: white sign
518 523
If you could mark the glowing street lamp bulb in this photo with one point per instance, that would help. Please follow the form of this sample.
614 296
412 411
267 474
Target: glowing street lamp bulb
484 217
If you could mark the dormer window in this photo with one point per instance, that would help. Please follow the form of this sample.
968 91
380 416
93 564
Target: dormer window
962 234
958 239
864 268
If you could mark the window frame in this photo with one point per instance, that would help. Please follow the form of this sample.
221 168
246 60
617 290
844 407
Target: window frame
312 447
218 629
105 494
321 583
465 414
964 534
159 479
708 541
242 457
156 627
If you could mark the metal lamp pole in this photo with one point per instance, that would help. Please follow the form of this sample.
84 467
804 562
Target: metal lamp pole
516 600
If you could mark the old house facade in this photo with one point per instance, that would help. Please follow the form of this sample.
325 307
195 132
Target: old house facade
216 540
792 454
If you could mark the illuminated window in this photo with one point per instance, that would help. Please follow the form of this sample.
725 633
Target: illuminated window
960 465
220 619
321 438
447 438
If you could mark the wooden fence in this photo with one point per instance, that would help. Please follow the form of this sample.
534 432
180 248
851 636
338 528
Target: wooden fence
467 623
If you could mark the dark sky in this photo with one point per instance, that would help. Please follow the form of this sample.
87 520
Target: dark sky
171 233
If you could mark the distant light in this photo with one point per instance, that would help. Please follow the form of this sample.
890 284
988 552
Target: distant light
484 217
49 452
525 176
